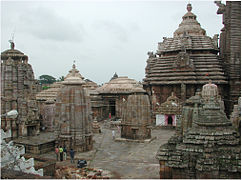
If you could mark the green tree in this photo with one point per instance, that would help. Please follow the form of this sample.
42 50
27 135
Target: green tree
46 79
61 78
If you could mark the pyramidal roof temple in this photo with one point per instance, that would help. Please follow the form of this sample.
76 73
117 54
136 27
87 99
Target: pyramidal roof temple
183 63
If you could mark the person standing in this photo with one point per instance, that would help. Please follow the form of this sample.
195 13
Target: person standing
61 153
113 134
72 154
64 153
57 153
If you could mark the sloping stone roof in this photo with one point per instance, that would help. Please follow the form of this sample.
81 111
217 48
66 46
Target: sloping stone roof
204 67
49 94
190 57
121 85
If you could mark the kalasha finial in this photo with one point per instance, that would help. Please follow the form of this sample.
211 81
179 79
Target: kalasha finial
74 66
189 7
11 44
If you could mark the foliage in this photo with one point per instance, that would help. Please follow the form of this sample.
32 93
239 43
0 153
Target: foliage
46 79
45 87
60 79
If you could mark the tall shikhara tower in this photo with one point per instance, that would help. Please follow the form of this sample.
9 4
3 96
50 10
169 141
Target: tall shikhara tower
18 91
73 113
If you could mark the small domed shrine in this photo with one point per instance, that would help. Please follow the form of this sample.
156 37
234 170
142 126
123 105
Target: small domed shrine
136 116
73 114
209 149
18 90
184 63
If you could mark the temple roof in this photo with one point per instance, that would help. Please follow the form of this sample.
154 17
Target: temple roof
190 57
185 68
189 25
73 77
49 94
121 85
12 53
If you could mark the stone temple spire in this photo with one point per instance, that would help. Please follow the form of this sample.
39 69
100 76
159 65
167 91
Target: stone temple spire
189 25
74 77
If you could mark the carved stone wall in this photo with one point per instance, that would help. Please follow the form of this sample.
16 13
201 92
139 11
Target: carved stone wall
18 91
230 48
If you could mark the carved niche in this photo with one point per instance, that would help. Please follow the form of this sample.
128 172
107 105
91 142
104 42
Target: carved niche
183 61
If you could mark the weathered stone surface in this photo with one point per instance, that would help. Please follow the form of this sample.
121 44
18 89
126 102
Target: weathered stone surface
73 114
19 89
207 147
136 117
230 48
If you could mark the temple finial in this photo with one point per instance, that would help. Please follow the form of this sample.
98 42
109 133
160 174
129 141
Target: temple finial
11 44
74 66
189 7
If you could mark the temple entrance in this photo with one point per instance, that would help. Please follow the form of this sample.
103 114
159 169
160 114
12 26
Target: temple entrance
170 120
31 130
112 107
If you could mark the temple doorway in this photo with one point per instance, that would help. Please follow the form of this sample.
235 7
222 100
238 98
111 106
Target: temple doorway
112 107
170 120
31 130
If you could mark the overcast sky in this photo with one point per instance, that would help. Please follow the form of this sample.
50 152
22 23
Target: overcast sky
103 37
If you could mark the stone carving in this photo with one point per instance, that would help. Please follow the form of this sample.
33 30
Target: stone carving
151 55
215 40
183 61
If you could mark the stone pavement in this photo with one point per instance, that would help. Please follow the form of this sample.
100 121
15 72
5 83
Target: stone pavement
123 159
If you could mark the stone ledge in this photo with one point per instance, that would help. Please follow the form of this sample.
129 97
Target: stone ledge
133 140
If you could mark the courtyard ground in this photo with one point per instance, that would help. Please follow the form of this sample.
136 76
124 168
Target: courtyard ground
123 159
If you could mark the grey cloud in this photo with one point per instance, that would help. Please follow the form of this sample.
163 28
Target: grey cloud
45 24
112 28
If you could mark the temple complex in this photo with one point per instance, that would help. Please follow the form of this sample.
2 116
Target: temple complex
115 92
230 48
18 90
136 116
209 149
184 63
73 114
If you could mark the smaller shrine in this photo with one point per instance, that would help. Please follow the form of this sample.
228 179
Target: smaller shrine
209 148
114 92
168 112
73 114
136 117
